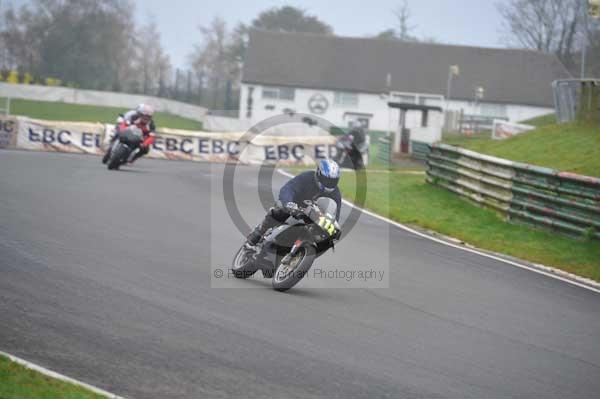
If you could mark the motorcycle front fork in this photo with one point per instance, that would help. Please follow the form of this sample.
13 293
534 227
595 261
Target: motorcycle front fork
132 155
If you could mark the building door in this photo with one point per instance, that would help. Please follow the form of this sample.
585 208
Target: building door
364 122
352 117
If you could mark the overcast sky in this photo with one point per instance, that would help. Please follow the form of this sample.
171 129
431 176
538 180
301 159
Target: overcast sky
468 22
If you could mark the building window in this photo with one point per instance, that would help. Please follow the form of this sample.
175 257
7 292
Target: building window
285 93
270 93
278 93
430 100
405 98
346 99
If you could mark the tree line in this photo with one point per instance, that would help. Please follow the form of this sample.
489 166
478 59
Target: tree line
90 44
94 44
554 26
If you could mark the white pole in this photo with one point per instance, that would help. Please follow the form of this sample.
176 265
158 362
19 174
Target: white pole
389 121
448 87
453 70
585 36
388 83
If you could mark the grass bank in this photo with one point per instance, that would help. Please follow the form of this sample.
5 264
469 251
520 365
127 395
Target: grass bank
567 147
408 199
18 382
56 111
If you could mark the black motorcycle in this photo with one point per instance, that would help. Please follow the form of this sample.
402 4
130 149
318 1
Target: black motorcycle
287 252
122 147
348 153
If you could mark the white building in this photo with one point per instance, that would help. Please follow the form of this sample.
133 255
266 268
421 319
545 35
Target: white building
344 79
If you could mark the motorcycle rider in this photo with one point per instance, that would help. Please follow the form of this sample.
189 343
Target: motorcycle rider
358 134
323 182
352 145
140 117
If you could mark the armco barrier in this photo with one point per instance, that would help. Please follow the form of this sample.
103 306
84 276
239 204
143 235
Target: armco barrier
419 150
384 150
542 197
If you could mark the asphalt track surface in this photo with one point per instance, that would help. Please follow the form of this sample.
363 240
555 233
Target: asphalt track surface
106 277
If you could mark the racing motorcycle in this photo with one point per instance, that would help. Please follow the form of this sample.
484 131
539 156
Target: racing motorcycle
287 252
123 147
348 155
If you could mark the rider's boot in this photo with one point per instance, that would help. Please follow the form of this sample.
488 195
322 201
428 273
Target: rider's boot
255 236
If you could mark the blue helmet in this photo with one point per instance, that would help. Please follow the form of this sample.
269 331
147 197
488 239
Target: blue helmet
327 175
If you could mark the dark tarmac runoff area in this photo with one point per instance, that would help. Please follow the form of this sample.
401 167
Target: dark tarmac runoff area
107 277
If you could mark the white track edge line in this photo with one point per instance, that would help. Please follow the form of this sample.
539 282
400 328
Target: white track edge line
497 258
58 376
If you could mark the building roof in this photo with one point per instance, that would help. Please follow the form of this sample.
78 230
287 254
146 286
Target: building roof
362 64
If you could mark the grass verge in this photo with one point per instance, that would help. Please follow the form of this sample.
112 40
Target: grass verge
56 111
408 199
18 382
566 147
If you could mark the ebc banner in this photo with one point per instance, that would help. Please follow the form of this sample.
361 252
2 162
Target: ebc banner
75 137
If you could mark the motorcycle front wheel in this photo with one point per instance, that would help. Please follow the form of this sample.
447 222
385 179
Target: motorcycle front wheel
290 273
242 266
106 156
118 154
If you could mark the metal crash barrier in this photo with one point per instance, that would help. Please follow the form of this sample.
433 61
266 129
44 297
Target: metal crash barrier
538 196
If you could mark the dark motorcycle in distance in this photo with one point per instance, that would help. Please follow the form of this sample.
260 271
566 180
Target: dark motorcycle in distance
123 146
287 252
348 153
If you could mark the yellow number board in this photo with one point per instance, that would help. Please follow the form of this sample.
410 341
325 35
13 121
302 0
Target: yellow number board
327 225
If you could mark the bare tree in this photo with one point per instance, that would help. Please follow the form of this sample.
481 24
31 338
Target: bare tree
403 26
152 63
210 59
552 26
4 55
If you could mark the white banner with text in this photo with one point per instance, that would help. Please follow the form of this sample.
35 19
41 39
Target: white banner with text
8 131
55 136
237 147
93 138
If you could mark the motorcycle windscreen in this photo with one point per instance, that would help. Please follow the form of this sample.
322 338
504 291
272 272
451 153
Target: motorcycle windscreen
132 136
327 206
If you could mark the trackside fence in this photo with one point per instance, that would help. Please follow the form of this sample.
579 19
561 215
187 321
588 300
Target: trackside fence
419 150
384 150
542 197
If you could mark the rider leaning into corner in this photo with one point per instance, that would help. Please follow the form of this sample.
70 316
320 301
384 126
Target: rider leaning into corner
140 117
358 146
323 182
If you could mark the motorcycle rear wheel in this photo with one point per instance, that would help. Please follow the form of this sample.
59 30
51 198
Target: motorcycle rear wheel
288 275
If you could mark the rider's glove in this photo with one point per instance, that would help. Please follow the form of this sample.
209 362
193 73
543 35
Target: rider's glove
292 207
